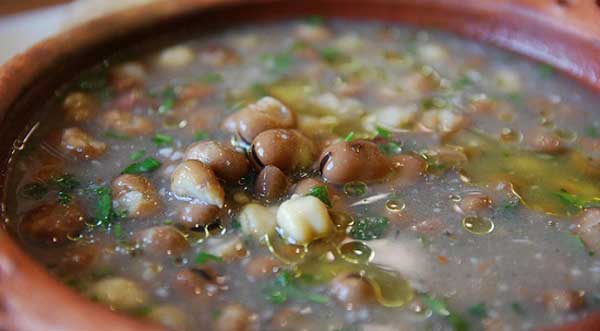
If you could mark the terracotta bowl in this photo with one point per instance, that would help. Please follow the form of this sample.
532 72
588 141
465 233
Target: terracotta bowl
562 33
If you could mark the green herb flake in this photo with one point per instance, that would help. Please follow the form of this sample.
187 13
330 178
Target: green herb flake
104 209
94 80
383 132
278 63
116 135
349 137
433 103
315 20
331 55
321 193
390 148
235 224
200 135
437 306
286 287
137 155
65 182
204 257
118 231
545 71
147 165
64 198
211 78
518 309
168 100
479 310
592 131
259 90
458 322
161 139
142 311
462 83
369 227
574 201
34 191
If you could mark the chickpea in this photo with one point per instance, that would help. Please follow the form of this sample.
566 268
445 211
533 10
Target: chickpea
589 228
563 300
195 181
475 202
312 33
233 317
53 224
223 160
304 219
81 145
352 290
228 248
267 113
443 121
362 160
176 57
169 316
80 106
128 75
119 293
198 215
127 123
163 239
271 183
288 150
262 267
257 220
219 56
507 80
136 195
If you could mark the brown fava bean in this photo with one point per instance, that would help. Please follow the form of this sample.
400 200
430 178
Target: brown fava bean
267 113
271 183
81 145
352 290
136 195
53 224
194 180
233 317
78 259
162 240
304 186
127 123
563 300
262 267
288 150
546 142
198 215
475 202
409 168
202 281
80 106
362 160
589 228
227 163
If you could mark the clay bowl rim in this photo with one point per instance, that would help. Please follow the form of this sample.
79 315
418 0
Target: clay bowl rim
23 78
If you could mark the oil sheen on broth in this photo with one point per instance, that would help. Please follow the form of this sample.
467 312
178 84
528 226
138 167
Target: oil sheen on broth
320 175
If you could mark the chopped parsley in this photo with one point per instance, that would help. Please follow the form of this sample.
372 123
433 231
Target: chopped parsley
433 103
278 63
479 310
161 139
137 155
235 224
462 83
592 131
105 214
383 132
200 135
118 231
390 148
574 201
332 55
168 100
204 257
545 71
147 165
64 198
34 191
320 192
286 287
349 137
439 307
315 20
369 227
65 182
211 78
95 80
116 135
517 308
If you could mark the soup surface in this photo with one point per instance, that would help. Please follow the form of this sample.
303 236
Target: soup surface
319 175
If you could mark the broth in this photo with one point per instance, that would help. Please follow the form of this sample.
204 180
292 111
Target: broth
320 175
